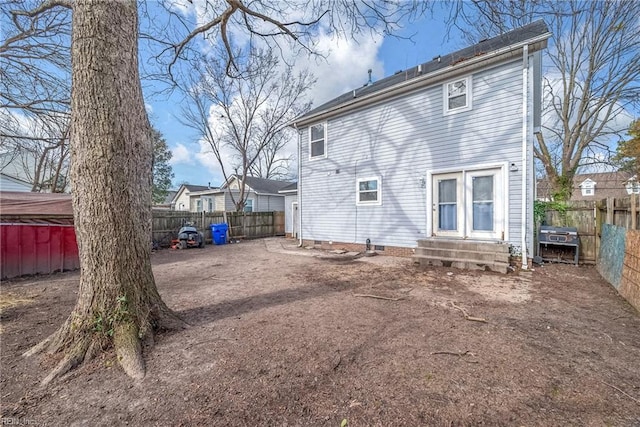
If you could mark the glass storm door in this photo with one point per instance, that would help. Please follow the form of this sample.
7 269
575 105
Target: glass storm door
447 205
484 204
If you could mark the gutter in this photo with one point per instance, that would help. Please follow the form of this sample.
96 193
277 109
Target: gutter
419 82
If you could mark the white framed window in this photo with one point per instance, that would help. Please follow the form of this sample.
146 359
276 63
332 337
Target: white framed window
248 205
318 141
369 191
588 187
457 95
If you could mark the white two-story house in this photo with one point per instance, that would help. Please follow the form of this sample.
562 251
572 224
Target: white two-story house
435 161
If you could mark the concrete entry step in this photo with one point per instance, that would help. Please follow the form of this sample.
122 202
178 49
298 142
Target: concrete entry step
464 254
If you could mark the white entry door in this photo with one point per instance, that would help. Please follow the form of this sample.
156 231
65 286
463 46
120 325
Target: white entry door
448 205
469 204
294 220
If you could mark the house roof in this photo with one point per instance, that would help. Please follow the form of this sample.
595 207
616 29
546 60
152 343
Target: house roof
192 188
188 187
534 32
607 184
261 185
170 195
291 188
14 179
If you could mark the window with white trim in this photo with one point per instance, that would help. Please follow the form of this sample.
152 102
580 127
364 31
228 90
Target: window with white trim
588 187
369 191
457 95
318 141
248 205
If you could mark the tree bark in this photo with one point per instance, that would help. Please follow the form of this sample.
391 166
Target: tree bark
111 160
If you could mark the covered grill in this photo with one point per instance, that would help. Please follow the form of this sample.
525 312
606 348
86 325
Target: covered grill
558 237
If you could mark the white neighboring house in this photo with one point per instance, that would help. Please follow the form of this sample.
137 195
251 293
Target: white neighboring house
182 200
438 156
262 196
9 183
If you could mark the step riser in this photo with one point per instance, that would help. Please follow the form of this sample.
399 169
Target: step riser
463 254
464 245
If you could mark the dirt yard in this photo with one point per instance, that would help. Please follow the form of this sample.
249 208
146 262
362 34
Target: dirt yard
282 336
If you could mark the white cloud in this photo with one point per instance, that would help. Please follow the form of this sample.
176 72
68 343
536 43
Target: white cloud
346 66
180 155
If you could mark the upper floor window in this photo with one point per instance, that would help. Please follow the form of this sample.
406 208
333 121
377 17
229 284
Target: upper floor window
318 141
369 191
588 187
457 95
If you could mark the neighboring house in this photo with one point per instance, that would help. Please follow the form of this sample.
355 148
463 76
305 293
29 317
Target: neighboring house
291 214
204 200
262 196
9 183
181 200
595 186
167 204
433 156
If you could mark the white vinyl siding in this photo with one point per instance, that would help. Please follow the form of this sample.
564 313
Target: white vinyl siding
400 141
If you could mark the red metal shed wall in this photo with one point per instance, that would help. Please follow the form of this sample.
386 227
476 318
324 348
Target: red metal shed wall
37 249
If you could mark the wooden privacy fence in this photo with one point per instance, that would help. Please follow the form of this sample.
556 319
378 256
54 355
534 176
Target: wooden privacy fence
242 225
589 216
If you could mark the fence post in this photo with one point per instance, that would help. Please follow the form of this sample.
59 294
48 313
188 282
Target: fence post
610 210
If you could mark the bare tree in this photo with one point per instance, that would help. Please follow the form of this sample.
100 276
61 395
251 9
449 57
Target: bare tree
118 303
246 116
34 93
594 75
36 149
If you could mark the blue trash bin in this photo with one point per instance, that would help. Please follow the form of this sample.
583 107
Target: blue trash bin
219 233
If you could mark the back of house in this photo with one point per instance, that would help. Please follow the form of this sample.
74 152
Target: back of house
442 151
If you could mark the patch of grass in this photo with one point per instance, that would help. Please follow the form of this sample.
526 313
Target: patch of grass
10 300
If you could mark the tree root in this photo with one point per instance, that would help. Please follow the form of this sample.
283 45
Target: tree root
72 359
128 350
78 341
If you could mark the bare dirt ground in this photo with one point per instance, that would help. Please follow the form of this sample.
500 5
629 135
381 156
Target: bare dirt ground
293 337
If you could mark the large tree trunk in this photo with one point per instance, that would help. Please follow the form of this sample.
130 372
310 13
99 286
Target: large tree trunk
118 303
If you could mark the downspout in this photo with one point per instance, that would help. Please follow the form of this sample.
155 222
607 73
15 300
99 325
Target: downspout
299 185
355 172
525 170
